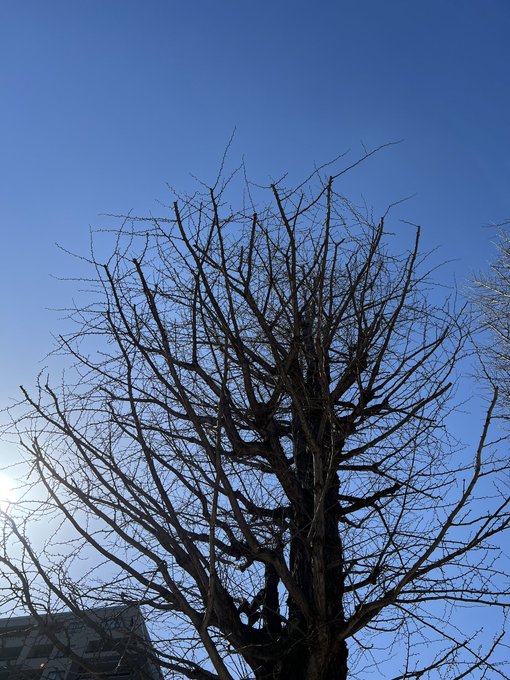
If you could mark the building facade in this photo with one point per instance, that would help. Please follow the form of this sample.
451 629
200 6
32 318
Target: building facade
103 643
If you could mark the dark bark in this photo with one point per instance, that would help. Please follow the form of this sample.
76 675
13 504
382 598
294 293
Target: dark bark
302 663
314 652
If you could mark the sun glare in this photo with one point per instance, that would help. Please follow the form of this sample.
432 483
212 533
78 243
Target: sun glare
7 493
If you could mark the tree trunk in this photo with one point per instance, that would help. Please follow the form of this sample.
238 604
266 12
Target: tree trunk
300 664
314 653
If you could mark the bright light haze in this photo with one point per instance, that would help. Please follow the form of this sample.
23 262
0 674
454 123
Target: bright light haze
103 102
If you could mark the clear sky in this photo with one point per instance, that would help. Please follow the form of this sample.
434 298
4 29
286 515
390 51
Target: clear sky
103 101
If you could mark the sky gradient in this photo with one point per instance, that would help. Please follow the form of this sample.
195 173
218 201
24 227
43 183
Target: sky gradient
103 102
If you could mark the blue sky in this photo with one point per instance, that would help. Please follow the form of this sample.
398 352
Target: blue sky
103 101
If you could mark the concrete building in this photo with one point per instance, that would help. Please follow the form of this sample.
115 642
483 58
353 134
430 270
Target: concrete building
103 643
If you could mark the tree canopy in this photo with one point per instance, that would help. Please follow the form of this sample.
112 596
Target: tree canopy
251 442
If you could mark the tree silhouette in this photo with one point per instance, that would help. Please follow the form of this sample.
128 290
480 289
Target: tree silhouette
253 447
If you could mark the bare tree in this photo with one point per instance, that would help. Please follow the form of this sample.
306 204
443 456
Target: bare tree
494 299
254 449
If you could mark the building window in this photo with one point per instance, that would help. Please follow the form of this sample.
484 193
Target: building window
26 673
118 645
40 651
55 675
9 653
